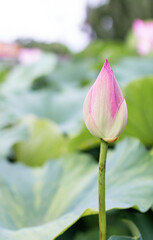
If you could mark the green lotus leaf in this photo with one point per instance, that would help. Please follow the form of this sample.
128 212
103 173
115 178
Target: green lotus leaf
22 77
139 98
64 108
45 141
41 203
143 221
88 235
11 135
72 74
82 140
93 235
128 69
125 238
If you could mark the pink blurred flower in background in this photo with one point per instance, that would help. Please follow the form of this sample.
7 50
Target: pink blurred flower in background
144 34
9 51
28 56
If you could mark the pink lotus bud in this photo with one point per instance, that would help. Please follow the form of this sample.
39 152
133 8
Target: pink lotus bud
105 110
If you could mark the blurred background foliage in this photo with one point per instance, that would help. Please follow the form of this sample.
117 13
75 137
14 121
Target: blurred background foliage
113 19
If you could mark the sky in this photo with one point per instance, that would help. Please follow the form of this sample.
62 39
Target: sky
45 20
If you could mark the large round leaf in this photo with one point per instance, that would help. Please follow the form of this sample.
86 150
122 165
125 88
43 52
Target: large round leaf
130 68
93 235
143 221
72 74
125 238
45 141
41 203
23 76
129 170
64 108
82 140
139 98
10 136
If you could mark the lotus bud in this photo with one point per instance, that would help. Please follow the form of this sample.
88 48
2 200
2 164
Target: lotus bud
105 110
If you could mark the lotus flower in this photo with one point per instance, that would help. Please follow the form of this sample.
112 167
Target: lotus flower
144 34
105 110
28 56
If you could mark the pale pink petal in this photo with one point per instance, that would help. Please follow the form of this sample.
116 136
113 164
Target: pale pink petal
105 111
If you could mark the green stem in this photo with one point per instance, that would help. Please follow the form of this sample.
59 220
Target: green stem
102 211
